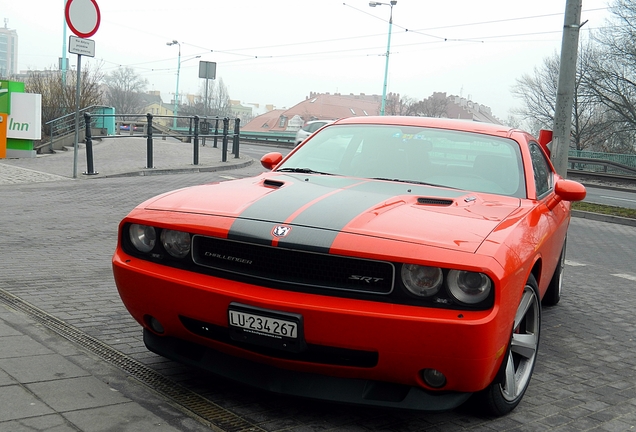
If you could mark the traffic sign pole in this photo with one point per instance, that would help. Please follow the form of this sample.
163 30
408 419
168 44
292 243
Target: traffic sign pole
83 18
77 109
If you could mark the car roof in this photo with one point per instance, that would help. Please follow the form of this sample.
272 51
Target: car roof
440 123
322 121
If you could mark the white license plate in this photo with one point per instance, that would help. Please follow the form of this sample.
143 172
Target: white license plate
264 325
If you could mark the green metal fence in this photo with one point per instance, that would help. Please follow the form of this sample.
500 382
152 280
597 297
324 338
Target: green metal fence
624 159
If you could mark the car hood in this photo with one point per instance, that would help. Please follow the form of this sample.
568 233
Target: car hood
309 211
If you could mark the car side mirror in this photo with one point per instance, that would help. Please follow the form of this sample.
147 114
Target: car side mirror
270 160
569 190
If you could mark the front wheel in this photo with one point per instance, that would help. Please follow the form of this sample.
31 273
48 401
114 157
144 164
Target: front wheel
508 388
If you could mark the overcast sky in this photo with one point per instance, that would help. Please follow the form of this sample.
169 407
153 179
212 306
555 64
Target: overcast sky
278 51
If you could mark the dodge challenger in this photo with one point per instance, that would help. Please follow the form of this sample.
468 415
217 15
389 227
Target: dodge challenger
386 261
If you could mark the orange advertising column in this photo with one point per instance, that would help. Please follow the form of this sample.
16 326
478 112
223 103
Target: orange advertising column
3 135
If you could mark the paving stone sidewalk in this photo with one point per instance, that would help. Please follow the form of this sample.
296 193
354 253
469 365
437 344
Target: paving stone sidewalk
116 157
48 384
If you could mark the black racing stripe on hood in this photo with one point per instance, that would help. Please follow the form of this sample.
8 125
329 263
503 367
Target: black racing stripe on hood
336 211
316 227
280 204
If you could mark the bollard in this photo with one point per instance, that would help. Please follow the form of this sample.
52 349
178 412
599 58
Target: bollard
235 140
204 129
226 126
196 140
89 145
216 131
149 142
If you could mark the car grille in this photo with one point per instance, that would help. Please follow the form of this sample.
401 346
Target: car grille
294 267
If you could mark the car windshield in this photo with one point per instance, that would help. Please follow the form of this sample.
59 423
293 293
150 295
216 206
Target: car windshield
449 158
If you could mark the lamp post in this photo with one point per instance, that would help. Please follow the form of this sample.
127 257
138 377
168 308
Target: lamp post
388 50
176 93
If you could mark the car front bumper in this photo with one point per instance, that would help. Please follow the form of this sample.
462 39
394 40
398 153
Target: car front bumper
303 384
466 346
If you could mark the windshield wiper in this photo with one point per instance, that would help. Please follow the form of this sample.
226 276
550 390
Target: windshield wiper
302 170
410 181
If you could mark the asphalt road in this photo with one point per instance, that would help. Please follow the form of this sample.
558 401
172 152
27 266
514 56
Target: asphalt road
611 197
58 238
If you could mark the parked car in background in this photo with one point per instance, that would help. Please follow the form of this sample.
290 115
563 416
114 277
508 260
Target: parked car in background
387 261
309 128
136 128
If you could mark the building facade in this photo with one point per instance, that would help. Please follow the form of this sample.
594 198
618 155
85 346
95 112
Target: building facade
8 52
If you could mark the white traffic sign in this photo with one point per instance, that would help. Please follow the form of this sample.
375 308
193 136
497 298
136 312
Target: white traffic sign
85 47
82 17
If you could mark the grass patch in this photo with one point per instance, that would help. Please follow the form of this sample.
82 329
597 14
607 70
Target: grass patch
604 209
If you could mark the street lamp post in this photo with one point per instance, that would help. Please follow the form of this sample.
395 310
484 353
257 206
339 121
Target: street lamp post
176 93
388 50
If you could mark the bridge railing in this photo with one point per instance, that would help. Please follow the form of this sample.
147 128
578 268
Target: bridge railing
624 159
269 137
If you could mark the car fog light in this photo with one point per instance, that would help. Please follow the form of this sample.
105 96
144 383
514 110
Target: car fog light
434 378
154 324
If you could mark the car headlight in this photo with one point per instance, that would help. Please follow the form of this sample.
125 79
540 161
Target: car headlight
143 237
176 243
422 281
469 287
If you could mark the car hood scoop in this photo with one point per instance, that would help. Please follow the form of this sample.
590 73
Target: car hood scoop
319 208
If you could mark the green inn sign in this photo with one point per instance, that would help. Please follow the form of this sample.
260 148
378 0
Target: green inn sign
22 124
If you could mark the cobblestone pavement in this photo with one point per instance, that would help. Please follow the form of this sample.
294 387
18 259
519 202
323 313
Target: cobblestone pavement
10 174
58 238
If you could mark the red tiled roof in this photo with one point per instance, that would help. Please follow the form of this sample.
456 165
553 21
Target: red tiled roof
263 122
322 106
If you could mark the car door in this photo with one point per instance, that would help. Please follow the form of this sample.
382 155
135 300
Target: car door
556 213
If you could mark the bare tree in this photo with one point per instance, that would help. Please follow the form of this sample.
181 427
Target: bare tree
124 91
513 121
207 104
393 104
612 77
435 105
220 103
58 91
406 106
538 93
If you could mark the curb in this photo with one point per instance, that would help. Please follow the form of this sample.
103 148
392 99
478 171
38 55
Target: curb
603 218
146 172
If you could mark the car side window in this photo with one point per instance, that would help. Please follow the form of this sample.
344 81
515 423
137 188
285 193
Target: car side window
541 169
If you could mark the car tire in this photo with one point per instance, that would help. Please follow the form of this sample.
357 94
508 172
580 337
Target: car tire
553 293
513 378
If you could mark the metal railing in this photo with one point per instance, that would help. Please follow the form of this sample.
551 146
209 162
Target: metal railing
600 166
63 127
198 130
269 137
623 159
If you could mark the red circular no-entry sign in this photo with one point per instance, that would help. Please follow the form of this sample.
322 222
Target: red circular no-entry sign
82 17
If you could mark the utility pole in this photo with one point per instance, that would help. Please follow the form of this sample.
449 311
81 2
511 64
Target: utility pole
565 90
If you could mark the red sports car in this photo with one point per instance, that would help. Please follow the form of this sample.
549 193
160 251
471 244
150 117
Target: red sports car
394 261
